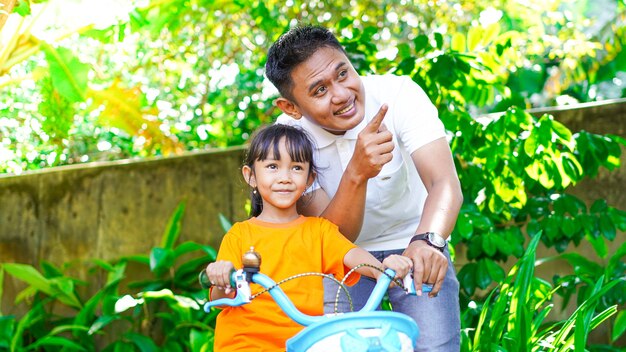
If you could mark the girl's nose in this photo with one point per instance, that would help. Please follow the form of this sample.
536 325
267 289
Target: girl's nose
284 176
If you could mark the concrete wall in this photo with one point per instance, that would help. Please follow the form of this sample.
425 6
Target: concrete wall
106 210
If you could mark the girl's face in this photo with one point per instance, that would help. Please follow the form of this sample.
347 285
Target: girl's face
280 183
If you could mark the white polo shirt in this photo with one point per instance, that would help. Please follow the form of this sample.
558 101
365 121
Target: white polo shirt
395 198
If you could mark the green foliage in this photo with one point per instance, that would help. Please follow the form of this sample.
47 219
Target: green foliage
162 313
167 77
513 317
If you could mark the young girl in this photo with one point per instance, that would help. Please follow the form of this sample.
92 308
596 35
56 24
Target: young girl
279 167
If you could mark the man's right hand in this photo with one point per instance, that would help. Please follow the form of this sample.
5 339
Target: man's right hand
373 148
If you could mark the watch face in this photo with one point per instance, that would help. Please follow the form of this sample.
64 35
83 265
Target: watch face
436 240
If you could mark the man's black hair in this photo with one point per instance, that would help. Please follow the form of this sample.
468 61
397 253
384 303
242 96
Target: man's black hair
293 48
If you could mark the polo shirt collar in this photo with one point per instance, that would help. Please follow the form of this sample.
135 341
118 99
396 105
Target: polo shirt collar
324 138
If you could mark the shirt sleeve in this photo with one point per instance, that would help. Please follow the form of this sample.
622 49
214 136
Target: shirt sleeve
335 247
230 248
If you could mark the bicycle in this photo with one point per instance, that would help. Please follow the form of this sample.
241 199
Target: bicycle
364 330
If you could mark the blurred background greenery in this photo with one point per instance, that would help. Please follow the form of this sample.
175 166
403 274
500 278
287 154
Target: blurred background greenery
86 80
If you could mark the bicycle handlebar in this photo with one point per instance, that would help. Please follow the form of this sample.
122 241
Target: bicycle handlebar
239 280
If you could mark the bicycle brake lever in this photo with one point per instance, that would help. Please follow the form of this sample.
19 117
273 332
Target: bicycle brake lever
409 285
242 297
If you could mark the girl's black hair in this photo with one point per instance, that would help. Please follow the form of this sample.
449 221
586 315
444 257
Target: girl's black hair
265 143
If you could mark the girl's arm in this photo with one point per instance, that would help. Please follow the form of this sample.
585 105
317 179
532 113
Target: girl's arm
400 264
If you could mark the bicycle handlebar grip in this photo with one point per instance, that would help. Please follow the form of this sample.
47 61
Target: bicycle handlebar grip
205 283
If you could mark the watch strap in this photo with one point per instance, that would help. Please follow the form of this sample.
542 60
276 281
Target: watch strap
424 237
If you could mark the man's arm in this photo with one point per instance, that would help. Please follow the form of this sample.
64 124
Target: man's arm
347 208
436 169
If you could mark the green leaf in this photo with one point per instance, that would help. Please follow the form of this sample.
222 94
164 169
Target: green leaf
54 341
569 226
520 321
599 206
421 43
438 40
619 326
29 275
187 247
226 225
101 322
200 340
466 278
62 328
489 245
474 37
495 271
464 226
571 166
50 270
563 132
69 75
607 228
161 259
483 279
581 265
615 260
1 287
599 245
7 331
22 8
482 222
490 33
144 343
458 42
172 229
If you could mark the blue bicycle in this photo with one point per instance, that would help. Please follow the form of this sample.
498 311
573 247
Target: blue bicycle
364 330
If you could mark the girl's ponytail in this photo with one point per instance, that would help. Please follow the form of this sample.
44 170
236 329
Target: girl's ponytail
256 203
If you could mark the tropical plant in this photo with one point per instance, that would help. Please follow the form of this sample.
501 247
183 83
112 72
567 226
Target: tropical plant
165 313
148 82
513 317
586 274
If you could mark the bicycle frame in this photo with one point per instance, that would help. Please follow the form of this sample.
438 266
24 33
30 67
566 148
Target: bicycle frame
362 330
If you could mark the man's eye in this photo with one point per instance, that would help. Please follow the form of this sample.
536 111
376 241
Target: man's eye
343 73
320 90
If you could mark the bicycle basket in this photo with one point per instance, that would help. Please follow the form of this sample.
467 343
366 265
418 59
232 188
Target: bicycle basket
358 332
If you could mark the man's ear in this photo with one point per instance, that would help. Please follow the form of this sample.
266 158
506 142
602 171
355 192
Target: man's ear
248 175
288 107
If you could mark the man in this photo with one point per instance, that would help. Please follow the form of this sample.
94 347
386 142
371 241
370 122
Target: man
386 176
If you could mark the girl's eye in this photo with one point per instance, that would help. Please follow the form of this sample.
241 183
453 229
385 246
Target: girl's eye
271 166
298 168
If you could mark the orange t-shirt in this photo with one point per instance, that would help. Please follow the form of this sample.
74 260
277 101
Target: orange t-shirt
307 244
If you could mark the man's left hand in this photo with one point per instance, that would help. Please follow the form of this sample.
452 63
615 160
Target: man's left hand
429 266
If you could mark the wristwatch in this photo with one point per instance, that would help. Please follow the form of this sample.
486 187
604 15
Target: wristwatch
433 239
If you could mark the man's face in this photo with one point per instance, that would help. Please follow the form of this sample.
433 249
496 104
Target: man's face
328 91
